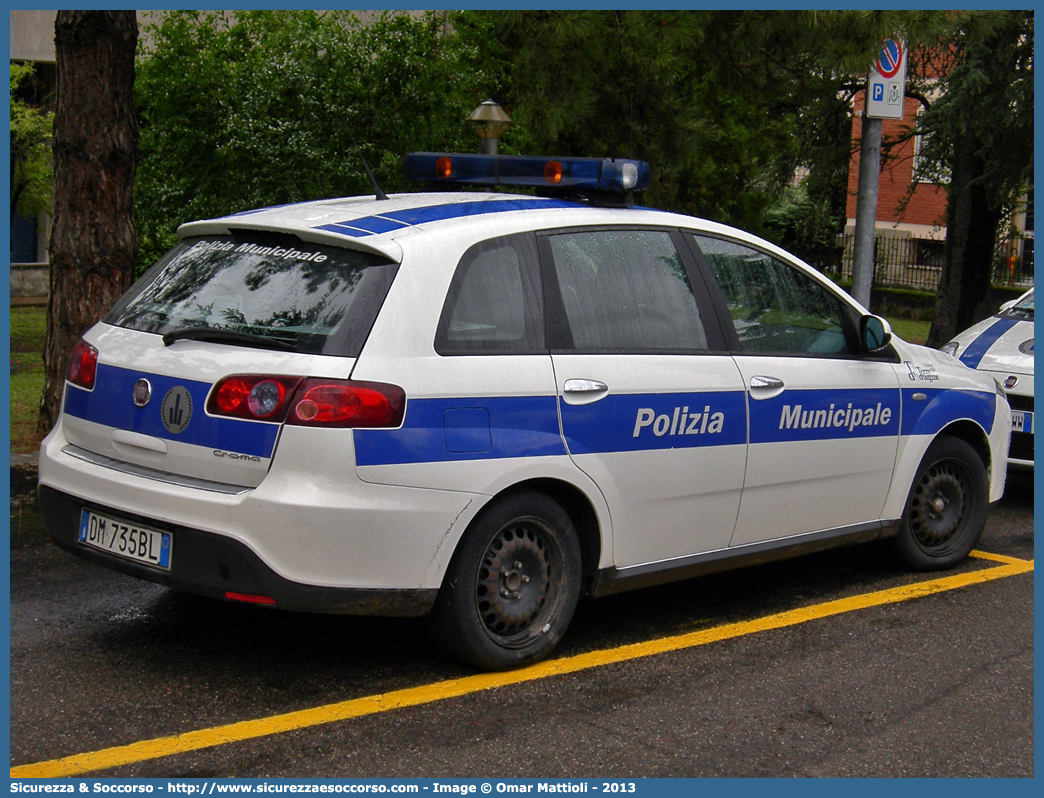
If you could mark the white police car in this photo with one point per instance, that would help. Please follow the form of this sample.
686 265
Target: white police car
1002 346
485 406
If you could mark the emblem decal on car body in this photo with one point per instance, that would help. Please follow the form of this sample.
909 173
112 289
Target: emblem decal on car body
176 410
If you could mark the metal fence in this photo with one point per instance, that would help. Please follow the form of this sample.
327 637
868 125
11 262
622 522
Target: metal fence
917 263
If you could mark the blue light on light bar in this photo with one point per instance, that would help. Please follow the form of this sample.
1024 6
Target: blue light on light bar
592 174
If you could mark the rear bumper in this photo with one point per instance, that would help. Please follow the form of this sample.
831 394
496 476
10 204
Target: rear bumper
212 565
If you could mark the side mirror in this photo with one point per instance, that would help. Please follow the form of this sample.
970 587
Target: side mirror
874 333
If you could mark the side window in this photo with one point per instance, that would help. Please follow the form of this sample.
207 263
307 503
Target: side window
774 306
626 291
494 301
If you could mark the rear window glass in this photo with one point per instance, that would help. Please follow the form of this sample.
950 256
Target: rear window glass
494 302
626 291
260 290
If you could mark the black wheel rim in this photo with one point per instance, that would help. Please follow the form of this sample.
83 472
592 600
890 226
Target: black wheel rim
937 507
513 584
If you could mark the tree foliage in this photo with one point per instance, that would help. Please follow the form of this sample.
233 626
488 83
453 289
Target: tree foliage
979 132
725 105
270 107
31 166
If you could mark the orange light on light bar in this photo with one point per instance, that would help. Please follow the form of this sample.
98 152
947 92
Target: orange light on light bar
553 172
443 168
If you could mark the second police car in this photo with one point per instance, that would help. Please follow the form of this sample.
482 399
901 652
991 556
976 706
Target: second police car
485 406
1002 346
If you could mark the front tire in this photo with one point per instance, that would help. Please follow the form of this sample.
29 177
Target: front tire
946 509
512 585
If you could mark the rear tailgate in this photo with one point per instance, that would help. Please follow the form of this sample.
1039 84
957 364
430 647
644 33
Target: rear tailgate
171 434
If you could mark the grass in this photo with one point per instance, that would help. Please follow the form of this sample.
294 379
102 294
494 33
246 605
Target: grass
912 330
28 328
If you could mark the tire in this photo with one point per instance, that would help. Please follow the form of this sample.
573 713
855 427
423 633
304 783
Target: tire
512 585
946 509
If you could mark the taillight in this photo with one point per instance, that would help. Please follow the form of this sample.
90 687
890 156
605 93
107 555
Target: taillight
252 396
83 365
311 402
347 403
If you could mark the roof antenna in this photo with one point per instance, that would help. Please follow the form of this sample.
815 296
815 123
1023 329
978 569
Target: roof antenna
369 173
373 180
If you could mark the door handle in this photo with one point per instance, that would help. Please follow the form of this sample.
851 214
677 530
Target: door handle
584 386
583 392
762 387
768 383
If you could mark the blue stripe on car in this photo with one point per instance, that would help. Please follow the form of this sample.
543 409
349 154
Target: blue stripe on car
110 404
644 422
395 220
981 345
811 415
442 430
940 407
454 429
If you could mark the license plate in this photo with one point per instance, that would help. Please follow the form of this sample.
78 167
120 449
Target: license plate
126 540
1021 421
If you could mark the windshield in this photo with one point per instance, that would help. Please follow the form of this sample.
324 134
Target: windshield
257 289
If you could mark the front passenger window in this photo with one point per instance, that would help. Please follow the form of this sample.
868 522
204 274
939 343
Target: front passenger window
774 306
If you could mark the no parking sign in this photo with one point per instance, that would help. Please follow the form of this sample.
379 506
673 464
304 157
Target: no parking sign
887 82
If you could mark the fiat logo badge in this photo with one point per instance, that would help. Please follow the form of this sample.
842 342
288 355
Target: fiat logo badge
1011 382
142 392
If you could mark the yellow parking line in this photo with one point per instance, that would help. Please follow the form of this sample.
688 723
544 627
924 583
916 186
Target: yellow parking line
985 555
415 696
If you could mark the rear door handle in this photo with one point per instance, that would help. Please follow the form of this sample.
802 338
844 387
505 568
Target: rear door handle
762 387
583 392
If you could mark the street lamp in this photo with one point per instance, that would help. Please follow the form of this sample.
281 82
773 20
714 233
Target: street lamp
490 121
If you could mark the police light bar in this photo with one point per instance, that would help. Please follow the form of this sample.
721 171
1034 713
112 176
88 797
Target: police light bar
590 174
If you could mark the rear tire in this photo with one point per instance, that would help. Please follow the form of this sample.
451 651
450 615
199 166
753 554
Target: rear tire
512 585
946 509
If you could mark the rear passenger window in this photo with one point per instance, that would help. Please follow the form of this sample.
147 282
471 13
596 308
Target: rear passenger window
776 307
626 291
494 303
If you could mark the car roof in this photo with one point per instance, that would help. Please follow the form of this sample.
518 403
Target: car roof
373 225
376 225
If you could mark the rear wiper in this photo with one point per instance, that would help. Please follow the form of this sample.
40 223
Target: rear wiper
226 337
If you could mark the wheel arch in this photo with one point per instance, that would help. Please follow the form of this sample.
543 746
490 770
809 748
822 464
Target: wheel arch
581 512
913 450
972 434
948 502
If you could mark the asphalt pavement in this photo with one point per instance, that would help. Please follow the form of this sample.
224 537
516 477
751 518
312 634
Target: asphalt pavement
938 685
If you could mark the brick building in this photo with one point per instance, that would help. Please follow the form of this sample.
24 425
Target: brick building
911 214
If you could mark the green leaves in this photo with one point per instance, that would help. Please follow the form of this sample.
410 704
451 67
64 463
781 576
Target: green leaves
31 167
275 107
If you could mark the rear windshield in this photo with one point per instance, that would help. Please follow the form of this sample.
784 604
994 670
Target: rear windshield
260 290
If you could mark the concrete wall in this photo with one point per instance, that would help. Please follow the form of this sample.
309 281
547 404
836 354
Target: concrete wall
29 279
32 35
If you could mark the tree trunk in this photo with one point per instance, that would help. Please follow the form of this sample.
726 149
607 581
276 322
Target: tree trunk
971 230
93 241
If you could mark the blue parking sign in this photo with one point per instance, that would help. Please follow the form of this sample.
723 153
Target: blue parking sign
878 95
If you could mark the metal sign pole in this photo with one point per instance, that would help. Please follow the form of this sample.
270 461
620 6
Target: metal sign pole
883 100
866 211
